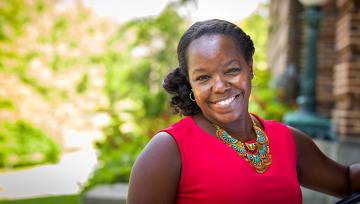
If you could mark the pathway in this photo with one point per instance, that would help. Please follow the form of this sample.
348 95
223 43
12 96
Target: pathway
65 177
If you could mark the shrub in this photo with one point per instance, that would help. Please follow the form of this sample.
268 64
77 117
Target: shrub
21 144
117 153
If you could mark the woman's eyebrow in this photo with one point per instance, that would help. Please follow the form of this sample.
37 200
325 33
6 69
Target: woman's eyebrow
200 70
231 62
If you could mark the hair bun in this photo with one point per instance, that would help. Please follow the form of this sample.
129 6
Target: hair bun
173 80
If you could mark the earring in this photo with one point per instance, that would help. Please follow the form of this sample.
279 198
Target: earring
191 96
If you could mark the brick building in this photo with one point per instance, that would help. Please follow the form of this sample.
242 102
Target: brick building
338 61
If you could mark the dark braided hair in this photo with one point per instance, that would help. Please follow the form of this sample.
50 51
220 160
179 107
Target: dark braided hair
177 83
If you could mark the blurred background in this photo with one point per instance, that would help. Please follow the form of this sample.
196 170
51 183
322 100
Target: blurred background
81 94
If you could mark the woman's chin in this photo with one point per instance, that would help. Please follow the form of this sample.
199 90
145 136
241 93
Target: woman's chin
227 118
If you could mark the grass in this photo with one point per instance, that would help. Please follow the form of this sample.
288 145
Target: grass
66 199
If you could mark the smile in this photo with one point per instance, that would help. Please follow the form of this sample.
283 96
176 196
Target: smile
226 102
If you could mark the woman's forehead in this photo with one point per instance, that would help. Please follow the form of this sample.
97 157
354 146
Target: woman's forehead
213 42
211 47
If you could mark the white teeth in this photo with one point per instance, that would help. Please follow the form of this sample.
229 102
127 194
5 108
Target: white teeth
226 102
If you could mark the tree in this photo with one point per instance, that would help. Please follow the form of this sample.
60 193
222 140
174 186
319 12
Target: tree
137 58
263 100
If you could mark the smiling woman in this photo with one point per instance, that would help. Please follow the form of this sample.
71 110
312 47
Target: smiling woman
220 78
221 153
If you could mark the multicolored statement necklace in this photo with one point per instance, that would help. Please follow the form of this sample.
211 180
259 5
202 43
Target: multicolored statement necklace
257 154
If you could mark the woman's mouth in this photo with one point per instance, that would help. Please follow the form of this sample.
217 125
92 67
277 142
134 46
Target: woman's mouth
226 102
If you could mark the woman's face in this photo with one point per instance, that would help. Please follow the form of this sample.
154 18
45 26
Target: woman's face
220 78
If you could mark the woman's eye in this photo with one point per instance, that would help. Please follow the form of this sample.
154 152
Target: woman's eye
233 70
202 78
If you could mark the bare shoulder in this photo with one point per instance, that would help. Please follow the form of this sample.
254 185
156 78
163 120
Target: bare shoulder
300 138
161 143
160 150
159 163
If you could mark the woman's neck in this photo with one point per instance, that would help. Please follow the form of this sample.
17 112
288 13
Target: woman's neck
241 129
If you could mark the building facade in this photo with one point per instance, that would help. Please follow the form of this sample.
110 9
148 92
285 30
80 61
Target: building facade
338 59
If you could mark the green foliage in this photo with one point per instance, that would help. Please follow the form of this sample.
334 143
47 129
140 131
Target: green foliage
134 87
117 154
40 6
21 144
83 84
34 83
65 199
13 18
59 29
137 72
6 104
263 100
137 77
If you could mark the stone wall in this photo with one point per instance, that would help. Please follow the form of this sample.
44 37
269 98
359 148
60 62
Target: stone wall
346 114
326 59
284 47
338 68
278 37
326 56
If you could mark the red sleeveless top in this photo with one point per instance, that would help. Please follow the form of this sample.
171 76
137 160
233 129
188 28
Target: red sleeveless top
213 172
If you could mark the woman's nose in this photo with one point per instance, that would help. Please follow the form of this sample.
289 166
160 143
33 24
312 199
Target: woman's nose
220 85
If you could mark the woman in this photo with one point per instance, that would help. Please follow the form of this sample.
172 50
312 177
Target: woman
220 153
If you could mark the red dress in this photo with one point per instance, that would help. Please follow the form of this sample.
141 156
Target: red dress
212 172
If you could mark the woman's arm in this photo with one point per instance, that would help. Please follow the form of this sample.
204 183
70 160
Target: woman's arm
320 173
155 175
354 177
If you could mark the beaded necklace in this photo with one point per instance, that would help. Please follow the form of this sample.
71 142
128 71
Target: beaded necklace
257 154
